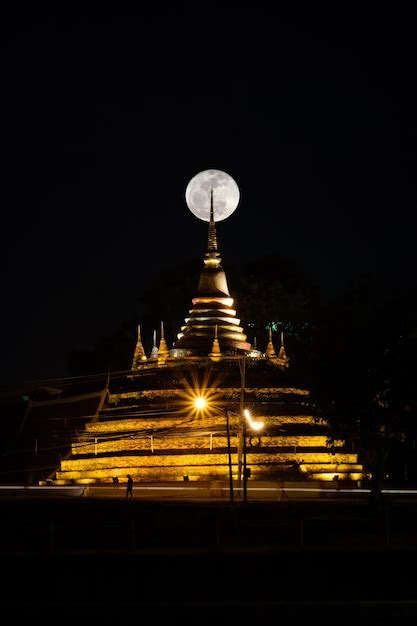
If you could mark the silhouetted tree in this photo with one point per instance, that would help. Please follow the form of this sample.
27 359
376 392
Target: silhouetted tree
363 379
269 291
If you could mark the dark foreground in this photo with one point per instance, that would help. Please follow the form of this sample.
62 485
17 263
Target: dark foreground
135 562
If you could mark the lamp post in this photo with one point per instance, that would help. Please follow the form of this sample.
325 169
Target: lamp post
245 469
241 438
245 418
229 454
200 404
255 426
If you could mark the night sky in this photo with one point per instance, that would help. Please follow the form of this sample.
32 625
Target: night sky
107 117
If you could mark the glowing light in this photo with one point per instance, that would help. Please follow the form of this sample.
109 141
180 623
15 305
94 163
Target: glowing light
200 394
253 424
200 403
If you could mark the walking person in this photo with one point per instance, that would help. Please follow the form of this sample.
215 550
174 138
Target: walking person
129 487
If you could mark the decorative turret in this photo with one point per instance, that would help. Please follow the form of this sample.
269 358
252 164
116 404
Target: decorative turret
154 351
139 355
163 352
212 307
215 354
282 356
281 360
270 350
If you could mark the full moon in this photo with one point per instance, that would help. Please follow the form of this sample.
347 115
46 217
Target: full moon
225 195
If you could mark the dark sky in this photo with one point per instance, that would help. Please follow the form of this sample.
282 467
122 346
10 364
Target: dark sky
107 117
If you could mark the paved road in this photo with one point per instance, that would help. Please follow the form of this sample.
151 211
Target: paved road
214 491
220 492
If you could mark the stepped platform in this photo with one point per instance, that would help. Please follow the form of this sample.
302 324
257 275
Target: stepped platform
154 433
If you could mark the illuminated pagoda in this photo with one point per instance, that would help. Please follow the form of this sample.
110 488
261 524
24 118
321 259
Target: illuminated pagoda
139 355
212 308
164 419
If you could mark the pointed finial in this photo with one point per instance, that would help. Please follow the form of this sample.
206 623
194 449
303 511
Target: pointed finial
154 352
254 343
215 353
270 351
163 352
282 354
139 354
212 235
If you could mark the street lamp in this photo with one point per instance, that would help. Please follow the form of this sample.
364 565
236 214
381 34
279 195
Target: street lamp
246 421
200 404
241 438
229 456
255 425
244 417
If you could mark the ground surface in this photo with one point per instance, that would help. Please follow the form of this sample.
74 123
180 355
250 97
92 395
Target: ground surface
69 559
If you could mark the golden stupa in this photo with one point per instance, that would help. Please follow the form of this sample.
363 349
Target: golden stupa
213 307
148 425
167 416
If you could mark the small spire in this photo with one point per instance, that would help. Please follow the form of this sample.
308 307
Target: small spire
282 354
139 354
154 351
163 352
212 257
215 354
254 343
212 235
270 351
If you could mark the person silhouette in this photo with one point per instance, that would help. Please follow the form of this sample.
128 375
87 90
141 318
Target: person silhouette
129 487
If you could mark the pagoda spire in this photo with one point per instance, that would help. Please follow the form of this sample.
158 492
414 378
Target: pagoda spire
282 354
212 257
270 350
212 234
154 351
163 352
212 307
139 355
215 354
